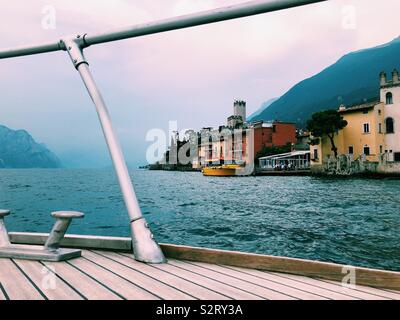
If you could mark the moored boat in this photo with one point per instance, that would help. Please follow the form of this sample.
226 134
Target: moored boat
225 170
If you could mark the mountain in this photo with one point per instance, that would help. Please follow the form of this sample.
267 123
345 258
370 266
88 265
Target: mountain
19 150
264 106
352 79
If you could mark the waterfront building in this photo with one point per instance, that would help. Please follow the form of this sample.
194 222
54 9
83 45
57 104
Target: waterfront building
291 161
362 137
274 133
222 146
231 143
370 137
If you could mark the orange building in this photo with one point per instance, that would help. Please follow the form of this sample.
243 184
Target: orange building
269 134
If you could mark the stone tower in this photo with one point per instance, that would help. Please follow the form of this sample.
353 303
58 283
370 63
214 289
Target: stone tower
239 109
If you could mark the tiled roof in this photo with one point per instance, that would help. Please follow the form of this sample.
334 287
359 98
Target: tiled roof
368 105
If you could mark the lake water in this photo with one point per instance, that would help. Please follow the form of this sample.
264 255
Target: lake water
351 221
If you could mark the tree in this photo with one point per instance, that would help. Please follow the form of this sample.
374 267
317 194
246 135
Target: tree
270 151
327 123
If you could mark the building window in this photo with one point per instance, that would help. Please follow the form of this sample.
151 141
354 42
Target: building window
389 125
389 98
366 127
315 154
367 151
351 150
397 156
379 112
380 149
365 112
380 128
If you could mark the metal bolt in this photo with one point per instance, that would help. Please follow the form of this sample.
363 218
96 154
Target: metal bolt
75 61
69 48
78 36
147 225
152 236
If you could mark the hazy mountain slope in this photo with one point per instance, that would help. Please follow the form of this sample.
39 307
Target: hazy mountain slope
352 79
264 106
19 150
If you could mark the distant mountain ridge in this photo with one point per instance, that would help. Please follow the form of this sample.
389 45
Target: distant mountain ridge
354 78
264 106
19 150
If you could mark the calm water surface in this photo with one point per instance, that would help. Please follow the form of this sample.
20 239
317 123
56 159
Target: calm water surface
351 221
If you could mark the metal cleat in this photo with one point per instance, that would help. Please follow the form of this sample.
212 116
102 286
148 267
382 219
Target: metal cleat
51 251
64 219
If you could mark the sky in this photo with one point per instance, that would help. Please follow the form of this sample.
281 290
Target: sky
191 76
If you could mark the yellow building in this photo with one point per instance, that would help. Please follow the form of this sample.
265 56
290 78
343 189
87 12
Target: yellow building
363 137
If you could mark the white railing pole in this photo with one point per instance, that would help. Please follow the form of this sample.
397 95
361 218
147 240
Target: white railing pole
145 247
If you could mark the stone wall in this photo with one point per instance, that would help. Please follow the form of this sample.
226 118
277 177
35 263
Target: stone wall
389 168
345 166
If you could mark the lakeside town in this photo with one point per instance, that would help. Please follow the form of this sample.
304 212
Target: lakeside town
359 139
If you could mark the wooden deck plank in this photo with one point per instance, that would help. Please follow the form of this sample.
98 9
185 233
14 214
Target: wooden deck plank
141 279
2 293
237 283
385 293
216 286
389 280
52 286
335 286
294 283
324 270
184 285
292 291
124 288
388 294
15 284
104 275
91 289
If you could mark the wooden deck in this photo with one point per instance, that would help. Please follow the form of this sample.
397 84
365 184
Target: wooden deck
100 275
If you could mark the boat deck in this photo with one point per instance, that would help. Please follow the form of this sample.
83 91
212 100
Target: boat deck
108 275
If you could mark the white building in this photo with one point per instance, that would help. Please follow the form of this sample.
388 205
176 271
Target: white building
390 95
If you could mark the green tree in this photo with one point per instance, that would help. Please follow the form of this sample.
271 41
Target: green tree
327 123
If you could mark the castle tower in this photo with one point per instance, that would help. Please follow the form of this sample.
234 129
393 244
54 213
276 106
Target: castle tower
239 109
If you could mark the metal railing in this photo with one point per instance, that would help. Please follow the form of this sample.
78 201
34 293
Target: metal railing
145 247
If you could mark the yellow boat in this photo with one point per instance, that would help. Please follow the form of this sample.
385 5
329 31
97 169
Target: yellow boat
225 170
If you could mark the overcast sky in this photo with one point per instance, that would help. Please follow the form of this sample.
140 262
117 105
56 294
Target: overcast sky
191 76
